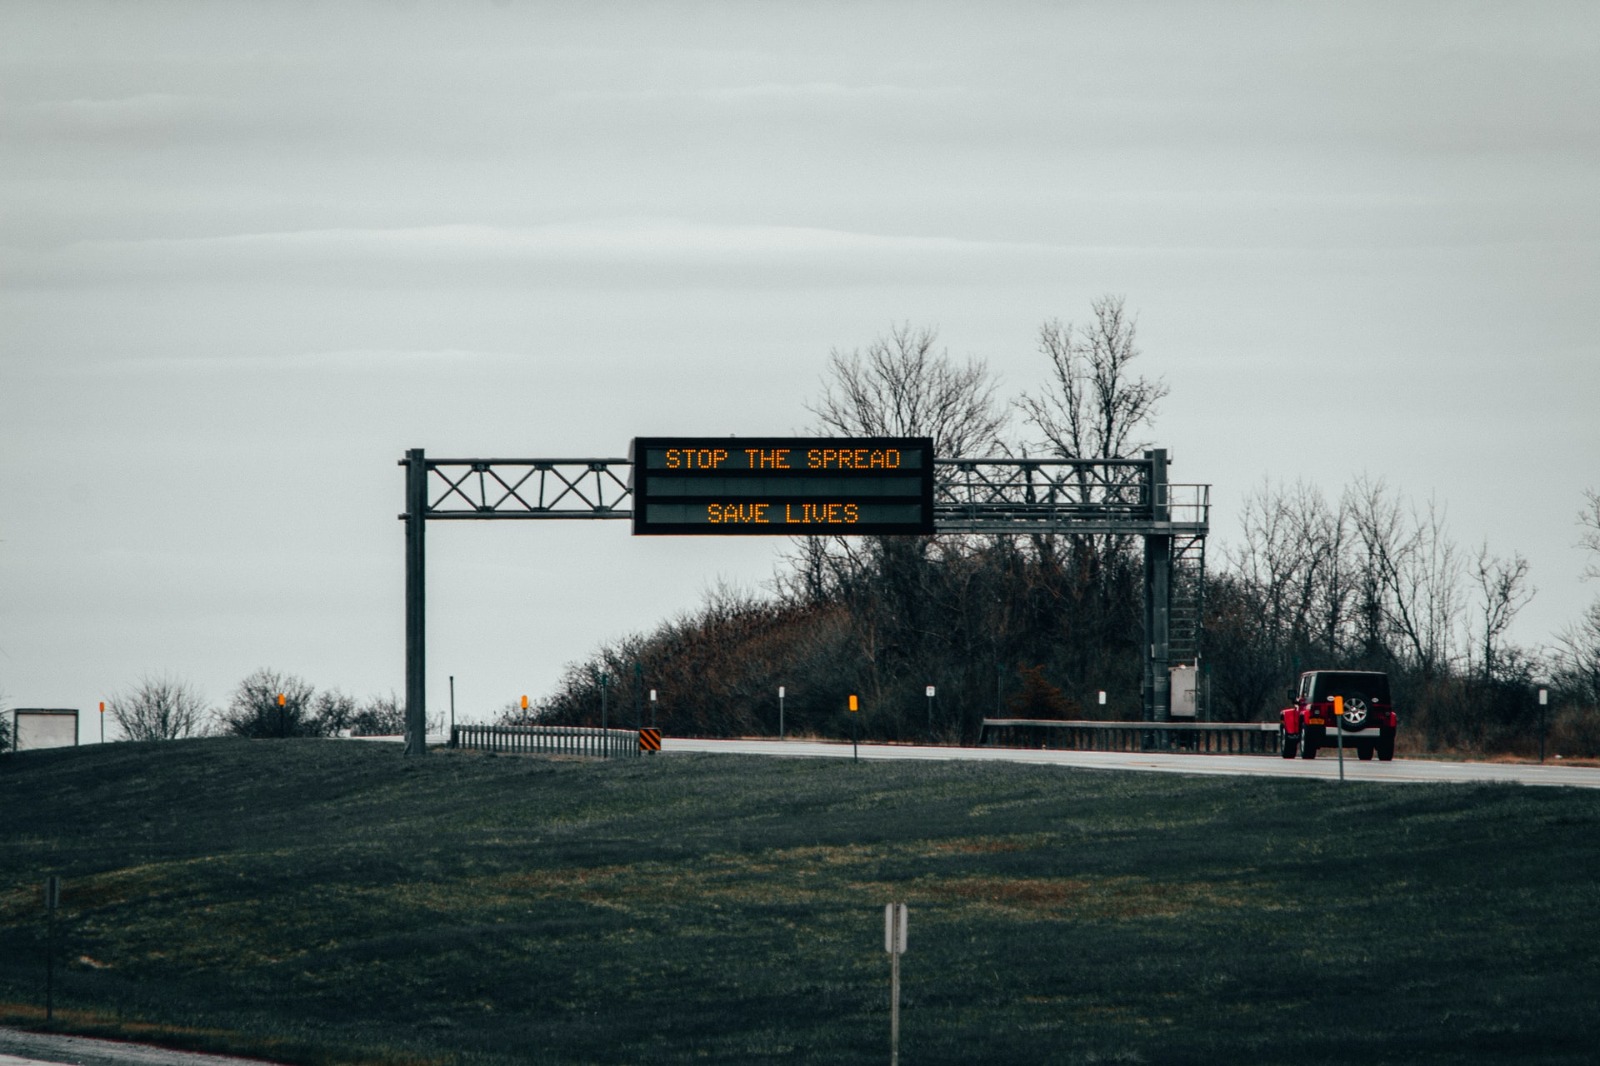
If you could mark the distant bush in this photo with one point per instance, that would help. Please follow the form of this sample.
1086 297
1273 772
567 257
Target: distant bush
332 712
253 709
380 716
1038 698
1575 733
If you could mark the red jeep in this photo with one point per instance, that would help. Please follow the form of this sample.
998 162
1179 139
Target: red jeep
1369 719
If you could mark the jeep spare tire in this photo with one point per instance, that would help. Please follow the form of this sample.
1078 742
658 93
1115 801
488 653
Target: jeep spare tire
1357 715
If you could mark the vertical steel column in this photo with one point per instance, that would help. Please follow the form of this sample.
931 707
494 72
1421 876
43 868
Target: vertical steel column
1158 597
416 518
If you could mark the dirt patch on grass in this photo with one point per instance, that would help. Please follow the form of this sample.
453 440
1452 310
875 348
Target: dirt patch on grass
988 845
1115 898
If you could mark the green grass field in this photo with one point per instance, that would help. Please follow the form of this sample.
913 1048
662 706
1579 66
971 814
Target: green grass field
325 902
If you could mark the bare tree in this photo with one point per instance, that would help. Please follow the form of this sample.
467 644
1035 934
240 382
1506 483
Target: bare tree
1411 574
1285 597
1293 543
1094 406
1503 584
1589 522
900 387
1577 652
1577 657
159 708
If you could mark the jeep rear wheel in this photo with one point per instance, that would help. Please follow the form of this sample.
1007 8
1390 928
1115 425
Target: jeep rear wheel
1364 751
1308 747
1385 745
1289 742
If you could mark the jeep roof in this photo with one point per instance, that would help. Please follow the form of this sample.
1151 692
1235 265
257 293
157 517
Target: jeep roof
1317 686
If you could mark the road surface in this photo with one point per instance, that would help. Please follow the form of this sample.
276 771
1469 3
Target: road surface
1325 766
21 1048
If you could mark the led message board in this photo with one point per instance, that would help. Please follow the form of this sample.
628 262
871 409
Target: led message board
785 485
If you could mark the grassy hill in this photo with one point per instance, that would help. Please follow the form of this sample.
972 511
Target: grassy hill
326 902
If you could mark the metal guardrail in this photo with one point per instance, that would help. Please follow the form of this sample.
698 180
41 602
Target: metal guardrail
1232 738
548 740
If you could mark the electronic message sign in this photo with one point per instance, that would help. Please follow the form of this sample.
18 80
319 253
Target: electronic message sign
785 485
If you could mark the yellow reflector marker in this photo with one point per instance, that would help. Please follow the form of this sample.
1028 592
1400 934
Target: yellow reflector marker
1338 706
853 706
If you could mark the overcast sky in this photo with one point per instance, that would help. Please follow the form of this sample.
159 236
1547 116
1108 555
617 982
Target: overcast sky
251 252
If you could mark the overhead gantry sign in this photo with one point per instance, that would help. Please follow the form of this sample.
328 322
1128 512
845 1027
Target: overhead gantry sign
799 486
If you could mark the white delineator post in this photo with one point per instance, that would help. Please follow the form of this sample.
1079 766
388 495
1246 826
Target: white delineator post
894 943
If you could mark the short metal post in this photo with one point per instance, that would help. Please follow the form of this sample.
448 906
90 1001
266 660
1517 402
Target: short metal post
1338 725
894 942
894 1012
780 712
452 710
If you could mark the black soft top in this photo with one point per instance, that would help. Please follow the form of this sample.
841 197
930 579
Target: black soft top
1368 684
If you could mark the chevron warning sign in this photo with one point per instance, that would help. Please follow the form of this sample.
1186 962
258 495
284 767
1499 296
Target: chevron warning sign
650 740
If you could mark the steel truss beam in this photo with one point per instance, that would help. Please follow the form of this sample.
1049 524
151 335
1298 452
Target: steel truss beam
1000 495
1128 497
528 488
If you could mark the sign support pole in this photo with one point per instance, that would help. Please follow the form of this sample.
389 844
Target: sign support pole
416 636
1544 701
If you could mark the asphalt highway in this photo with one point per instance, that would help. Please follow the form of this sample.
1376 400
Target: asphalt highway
22 1048
1325 766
